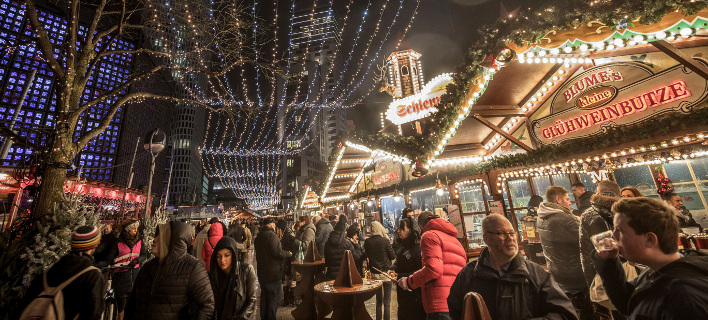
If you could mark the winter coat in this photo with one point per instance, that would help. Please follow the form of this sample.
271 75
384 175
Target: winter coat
335 247
679 290
234 293
558 229
82 297
198 243
249 238
584 202
216 232
269 256
108 241
322 232
123 279
443 257
174 287
525 291
409 260
686 219
237 233
596 219
303 237
378 249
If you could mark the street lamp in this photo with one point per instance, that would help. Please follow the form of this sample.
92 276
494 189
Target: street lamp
155 141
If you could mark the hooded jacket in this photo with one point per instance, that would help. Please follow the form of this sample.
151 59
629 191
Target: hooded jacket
83 297
270 256
216 232
335 247
560 239
173 286
408 260
596 219
525 291
322 231
304 236
199 241
378 249
234 293
679 290
443 258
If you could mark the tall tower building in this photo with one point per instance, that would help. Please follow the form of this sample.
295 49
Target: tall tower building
405 74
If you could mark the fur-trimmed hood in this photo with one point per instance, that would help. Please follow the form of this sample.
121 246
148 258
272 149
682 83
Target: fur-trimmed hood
604 202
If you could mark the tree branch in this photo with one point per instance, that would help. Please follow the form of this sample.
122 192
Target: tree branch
45 45
8 133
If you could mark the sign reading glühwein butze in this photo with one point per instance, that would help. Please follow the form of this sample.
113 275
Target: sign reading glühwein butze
617 94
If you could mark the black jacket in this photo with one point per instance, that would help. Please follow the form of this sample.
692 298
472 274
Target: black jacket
408 261
84 296
379 252
322 231
558 229
679 290
174 287
237 233
104 248
596 219
584 202
234 293
270 256
526 291
335 247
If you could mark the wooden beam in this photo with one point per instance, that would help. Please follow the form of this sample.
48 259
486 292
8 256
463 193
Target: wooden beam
502 132
478 107
696 41
681 57
465 146
534 143
500 113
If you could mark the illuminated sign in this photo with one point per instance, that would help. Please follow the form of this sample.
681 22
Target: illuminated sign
387 173
637 96
420 105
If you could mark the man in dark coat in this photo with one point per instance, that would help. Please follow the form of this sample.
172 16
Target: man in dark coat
83 297
335 247
270 258
323 228
174 285
582 197
558 230
596 219
674 286
512 287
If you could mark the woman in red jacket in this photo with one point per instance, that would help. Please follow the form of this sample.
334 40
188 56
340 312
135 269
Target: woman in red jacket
216 232
443 258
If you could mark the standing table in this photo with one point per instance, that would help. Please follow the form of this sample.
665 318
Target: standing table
348 302
306 289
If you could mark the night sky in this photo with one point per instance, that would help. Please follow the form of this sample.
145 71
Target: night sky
441 32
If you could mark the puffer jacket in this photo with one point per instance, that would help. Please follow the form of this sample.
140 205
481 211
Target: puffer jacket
304 236
270 256
560 238
234 293
378 249
526 291
584 203
216 232
679 290
596 219
322 232
443 258
335 247
174 287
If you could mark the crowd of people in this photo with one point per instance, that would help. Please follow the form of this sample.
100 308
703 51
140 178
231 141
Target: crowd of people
641 276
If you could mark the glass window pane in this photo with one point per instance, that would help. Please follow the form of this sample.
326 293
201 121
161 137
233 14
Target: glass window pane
540 184
700 168
520 192
471 197
430 200
586 179
473 226
391 208
677 171
639 177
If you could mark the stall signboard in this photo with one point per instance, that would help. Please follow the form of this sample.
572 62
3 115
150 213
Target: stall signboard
420 105
617 94
387 173
453 213
496 207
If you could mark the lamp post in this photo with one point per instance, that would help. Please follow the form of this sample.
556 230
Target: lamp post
155 141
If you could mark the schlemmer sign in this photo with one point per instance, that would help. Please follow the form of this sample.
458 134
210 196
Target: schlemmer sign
420 105
615 95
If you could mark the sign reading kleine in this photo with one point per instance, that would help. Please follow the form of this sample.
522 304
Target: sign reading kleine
420 105
617 94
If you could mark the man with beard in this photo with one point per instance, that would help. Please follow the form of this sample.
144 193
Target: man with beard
512 287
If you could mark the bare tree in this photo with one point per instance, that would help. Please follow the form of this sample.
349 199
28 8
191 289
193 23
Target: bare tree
215 45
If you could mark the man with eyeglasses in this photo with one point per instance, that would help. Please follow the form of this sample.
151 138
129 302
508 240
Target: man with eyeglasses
512 287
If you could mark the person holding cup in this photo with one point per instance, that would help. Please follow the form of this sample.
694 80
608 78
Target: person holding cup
674 286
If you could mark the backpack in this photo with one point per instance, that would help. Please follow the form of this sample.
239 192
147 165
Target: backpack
50 302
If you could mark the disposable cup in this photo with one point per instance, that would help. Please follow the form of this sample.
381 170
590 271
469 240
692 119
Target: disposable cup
604 241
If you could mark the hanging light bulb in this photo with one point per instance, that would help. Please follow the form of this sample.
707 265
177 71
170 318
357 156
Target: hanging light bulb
439 188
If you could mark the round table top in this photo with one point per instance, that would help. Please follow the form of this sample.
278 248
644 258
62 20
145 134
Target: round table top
327 287
303 263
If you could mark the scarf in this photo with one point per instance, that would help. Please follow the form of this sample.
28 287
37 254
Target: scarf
130 240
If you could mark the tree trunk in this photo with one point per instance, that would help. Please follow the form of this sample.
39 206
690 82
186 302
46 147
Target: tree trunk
54 175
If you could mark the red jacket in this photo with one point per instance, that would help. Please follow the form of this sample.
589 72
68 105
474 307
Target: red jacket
216 232
443 258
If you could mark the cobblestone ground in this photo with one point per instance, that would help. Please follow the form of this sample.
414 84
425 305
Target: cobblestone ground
284 311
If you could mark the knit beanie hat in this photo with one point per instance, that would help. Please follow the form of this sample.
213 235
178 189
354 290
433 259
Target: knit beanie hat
85 238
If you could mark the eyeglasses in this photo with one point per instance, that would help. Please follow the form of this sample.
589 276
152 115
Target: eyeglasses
504 234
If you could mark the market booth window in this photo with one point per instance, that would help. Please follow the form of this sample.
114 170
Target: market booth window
434 200
391 208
